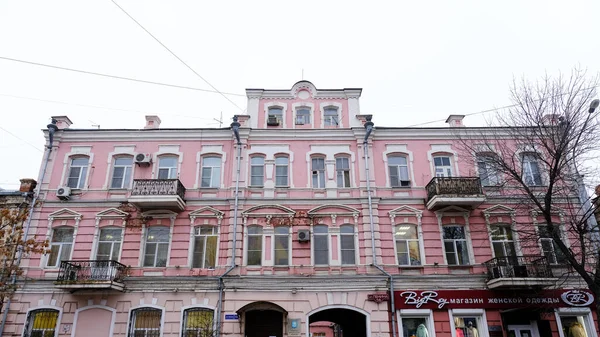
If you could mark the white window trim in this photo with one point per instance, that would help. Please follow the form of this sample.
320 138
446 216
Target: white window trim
456 212
83 151
110 160
269 152
192 244
210 150
443 150
97 241
113 313
201 170
110 173
157 215
310 172
528 149
262 248
312 246
515 236
416 313
407 212
329 152
311 108
115 217
72 215
250 157
561 228
351 165
166 153
323 106
196 306
218 216
402 150
498 175
42 307
283 107
483 329
289 235
585 312
289 169
356 248
162 317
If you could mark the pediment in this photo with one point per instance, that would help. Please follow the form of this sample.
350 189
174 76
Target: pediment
498 209
65 213
405 210
272 210
206 212
160 214
112 213
453 209
333 209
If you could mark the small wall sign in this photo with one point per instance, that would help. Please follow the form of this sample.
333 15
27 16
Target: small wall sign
232 317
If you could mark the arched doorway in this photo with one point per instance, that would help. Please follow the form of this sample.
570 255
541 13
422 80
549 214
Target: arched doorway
263 319
344 321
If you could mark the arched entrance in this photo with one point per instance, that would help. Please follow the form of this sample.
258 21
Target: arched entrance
344 321
263 319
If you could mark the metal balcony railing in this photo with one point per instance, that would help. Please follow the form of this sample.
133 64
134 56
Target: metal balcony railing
158 187
455 186
91 271
528 266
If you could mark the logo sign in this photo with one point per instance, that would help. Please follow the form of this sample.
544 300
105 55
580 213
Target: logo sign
232 317
418 299
378 298
577 298
294 327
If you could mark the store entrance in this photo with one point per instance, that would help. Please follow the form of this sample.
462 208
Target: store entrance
264 323
522 331
341 322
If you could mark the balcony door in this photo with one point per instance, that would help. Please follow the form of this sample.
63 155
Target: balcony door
522 331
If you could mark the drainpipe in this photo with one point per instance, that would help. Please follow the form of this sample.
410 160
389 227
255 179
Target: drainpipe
52 128
369 128
235 127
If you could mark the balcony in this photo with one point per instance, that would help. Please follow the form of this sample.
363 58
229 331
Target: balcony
150 194
514 272
454 191
95 274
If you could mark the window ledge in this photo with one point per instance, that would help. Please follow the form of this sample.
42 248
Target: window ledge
281 268
411 267
401 187
282 187
209 188
460 266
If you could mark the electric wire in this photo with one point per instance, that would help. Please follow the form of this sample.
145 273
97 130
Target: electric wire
21 139
117 77
177 57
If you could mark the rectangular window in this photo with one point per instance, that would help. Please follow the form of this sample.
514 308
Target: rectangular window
281 171
321 245
330 117
205 247
167 167
443 168
455 245
318 172
61 246
198 322
157 246
77 172
502 241
549 247
302 116
109 244
257 171
255 239
531 170
121 177
282 246
145 322
415 326
41 323
467 325
211 172
347 244
342 168
398 169
407 245
487 173
574 325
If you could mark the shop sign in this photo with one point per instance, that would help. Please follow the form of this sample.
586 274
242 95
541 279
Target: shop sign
378 298
485 299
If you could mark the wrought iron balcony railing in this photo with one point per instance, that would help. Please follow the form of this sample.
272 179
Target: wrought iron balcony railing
455 186
158 187
528 266
94 271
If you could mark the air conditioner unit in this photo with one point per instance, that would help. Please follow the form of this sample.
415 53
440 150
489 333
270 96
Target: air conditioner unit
272 120
303 235
63 193
143 159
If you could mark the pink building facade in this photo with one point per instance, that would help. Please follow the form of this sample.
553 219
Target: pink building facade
147 237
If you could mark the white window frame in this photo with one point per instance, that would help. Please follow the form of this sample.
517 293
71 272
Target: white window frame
354 250
331 105
303 106
112 246
168 242
83 172
304 118
416 313
559 227
398 170
331 120
247 245
186 309
321 174
327 239
279 116
586 315
61 246
467 243
503 242
198 233
212 183
287 170
445 168
256 165
44 307
172 172
130 322
419 240
289 243
479 314
491 175
343 172
127 177
527 170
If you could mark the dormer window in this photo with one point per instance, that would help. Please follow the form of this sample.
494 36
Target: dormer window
275 116
302 116
330 116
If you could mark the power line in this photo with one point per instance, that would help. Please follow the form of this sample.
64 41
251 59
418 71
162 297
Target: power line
177 57
21 139
117 77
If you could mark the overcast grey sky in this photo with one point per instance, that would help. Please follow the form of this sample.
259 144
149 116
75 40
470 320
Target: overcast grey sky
417 61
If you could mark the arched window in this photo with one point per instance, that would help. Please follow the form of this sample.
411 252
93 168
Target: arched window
42 323
255 238
318 172
330 116
488 175
198 322
532 175
347 246
121 175
257 171
145 322
443 166
282 246
109 244
321 244
167 167
61 246
302 115
275 116
157 246
78 172
408 248
398 170
211 172
282 171
205 247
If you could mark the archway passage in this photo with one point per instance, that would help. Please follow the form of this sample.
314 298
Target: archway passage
349 323
264 323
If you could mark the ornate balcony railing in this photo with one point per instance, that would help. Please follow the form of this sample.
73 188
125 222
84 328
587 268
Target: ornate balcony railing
528 266
454 186
90 272
158 187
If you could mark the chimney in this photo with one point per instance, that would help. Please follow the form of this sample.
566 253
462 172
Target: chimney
243 120
27 185
455 121
152 122
62 122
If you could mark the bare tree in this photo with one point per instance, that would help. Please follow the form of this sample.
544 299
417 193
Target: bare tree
537 153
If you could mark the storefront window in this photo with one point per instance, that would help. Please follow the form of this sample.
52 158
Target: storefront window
466 326
574 326
414 327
